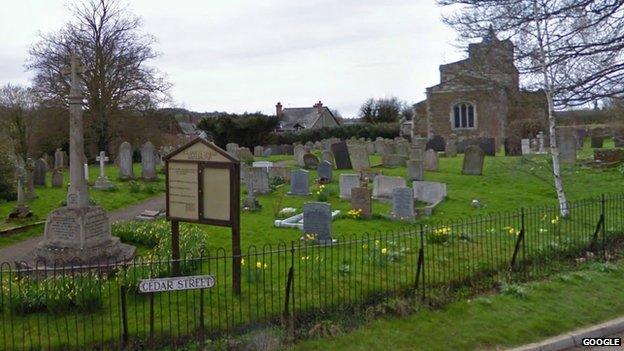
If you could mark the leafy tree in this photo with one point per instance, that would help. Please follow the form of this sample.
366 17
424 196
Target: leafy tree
17 106
248 129
115 53
385 110
571 49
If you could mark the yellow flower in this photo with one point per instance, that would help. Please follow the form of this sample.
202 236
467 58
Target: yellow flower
266 266
555 220
384 251
305 258
258 264
242 261
365 246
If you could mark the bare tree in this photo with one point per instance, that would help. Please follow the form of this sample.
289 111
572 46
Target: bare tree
572 49
17 106
115 52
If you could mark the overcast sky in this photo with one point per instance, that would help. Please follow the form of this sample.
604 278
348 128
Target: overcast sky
246 55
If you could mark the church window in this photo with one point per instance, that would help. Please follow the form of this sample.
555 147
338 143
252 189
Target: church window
463 116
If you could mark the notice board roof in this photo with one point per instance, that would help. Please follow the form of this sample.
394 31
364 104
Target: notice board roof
201 150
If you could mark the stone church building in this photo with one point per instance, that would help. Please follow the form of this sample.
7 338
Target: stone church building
479 97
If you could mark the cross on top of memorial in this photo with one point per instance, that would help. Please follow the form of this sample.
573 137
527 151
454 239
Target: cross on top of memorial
74 70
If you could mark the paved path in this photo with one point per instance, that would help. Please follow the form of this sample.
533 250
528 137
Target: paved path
14 252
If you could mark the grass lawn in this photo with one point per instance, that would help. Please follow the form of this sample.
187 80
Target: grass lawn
50 198
520 316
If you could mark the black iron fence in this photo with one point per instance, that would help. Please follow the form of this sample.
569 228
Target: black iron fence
101 306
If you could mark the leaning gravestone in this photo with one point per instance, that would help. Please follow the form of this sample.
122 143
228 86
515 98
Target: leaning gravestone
299 152
328 156
415 169
148 161
39 175
473 160
310 161
324 171
341 155
359 158
361 200
317 221
566 142
393 160
436 143
299 182
429 192
431 160
346 183
403 203
125 161
383 185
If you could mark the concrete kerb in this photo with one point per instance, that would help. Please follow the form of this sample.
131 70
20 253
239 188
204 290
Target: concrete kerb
574 339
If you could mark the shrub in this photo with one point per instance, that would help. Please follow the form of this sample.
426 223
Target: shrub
248 129
7 172
365 130
135 187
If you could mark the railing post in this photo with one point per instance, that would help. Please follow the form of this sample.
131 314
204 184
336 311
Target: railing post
124 315
151 317
289 282
523 230
604 224
519 241
420 268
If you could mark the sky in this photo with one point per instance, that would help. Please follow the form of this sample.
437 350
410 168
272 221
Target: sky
246 55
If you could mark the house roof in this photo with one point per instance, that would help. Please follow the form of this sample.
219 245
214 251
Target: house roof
187 127
306 117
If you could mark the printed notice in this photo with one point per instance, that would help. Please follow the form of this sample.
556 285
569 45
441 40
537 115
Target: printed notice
183 190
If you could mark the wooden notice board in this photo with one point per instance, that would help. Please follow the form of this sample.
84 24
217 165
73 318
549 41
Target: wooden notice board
203 186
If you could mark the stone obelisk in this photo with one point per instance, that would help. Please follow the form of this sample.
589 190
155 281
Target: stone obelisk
79 233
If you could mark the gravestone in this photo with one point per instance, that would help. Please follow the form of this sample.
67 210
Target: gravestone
102 182
285 149
299 182
581 134
566 142
417 154
310 161
429 192
317 221
341 155
325 171
361 200
347 182
21 209
436 143
126 170
39 174
451 146
59 159
618 138
280 172
359 158
513 146
431 160
402 148
260 180
383 185
328 156
244 155
415 170
148 161
393 160
370 147
473 160
231 148
57 178
29 180
525 145
419 143
379 145
299 151
488 145
596 142
541 142
403 203
258 151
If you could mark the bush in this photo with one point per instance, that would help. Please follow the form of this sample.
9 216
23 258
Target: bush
364 130
7 172
246 130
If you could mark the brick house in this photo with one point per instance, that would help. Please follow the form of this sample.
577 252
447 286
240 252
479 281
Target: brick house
293 119
478 96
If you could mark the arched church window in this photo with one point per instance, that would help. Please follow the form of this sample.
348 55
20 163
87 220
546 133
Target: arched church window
463 116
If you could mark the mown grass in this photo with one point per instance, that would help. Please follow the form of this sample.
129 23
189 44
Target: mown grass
547 308
49 198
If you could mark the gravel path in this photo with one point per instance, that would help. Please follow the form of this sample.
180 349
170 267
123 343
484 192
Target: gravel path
14 252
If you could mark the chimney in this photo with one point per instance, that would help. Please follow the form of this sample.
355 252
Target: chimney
319 107
278 109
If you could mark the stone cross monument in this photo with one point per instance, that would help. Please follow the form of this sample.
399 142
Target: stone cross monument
79 233
102 181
